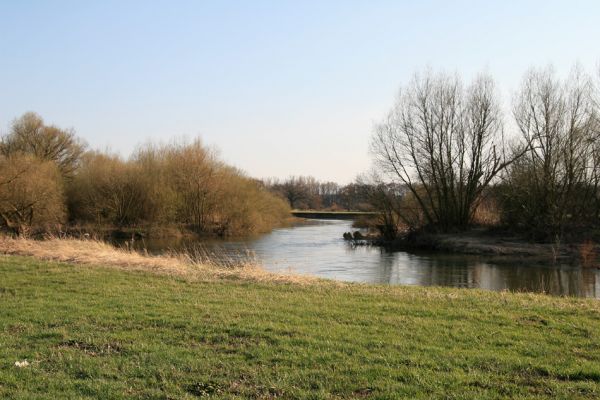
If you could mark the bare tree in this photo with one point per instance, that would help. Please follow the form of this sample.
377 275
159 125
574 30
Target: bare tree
555 183
301 192
444 143
595 150
29 135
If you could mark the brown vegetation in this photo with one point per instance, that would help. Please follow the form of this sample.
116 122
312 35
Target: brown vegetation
588 254
31 194
101 254
46 179
29 135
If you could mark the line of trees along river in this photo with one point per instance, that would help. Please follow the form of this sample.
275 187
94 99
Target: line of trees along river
48 179
446 154
453 149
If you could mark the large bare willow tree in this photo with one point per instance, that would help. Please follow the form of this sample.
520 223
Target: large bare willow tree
444 142
555 185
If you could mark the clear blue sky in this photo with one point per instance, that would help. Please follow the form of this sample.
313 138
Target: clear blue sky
279 87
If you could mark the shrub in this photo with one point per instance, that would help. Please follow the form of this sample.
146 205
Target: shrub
108 190
29 135
31 195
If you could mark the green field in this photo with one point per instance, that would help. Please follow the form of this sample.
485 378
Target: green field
101 333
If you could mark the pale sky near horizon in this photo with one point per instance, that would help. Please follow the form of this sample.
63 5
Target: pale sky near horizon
278 87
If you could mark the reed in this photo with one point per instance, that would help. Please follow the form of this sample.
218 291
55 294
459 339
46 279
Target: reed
588 254
193 263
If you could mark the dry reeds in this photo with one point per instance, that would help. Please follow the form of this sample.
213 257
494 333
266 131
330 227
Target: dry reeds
588 254
487 213
190 265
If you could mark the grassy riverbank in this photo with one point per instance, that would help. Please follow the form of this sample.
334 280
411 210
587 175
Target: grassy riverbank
100 332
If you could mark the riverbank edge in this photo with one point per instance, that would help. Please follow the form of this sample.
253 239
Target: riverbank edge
494 246
150 231
186 265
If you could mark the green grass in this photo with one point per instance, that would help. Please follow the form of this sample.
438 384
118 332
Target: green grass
100 333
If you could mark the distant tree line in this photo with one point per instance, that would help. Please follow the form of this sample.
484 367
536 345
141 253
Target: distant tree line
454 150
307 193
49 179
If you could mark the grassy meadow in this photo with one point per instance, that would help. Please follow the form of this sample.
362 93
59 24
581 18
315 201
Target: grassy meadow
89 331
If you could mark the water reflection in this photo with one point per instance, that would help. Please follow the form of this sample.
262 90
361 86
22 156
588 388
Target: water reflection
470 273
318 249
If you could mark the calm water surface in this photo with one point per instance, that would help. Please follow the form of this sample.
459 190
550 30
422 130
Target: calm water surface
318 249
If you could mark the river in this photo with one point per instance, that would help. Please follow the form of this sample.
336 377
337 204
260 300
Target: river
317 248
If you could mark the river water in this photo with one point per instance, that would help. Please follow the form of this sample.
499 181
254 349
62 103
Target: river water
317 248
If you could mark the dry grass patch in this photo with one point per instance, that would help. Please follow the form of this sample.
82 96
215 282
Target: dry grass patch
98 253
